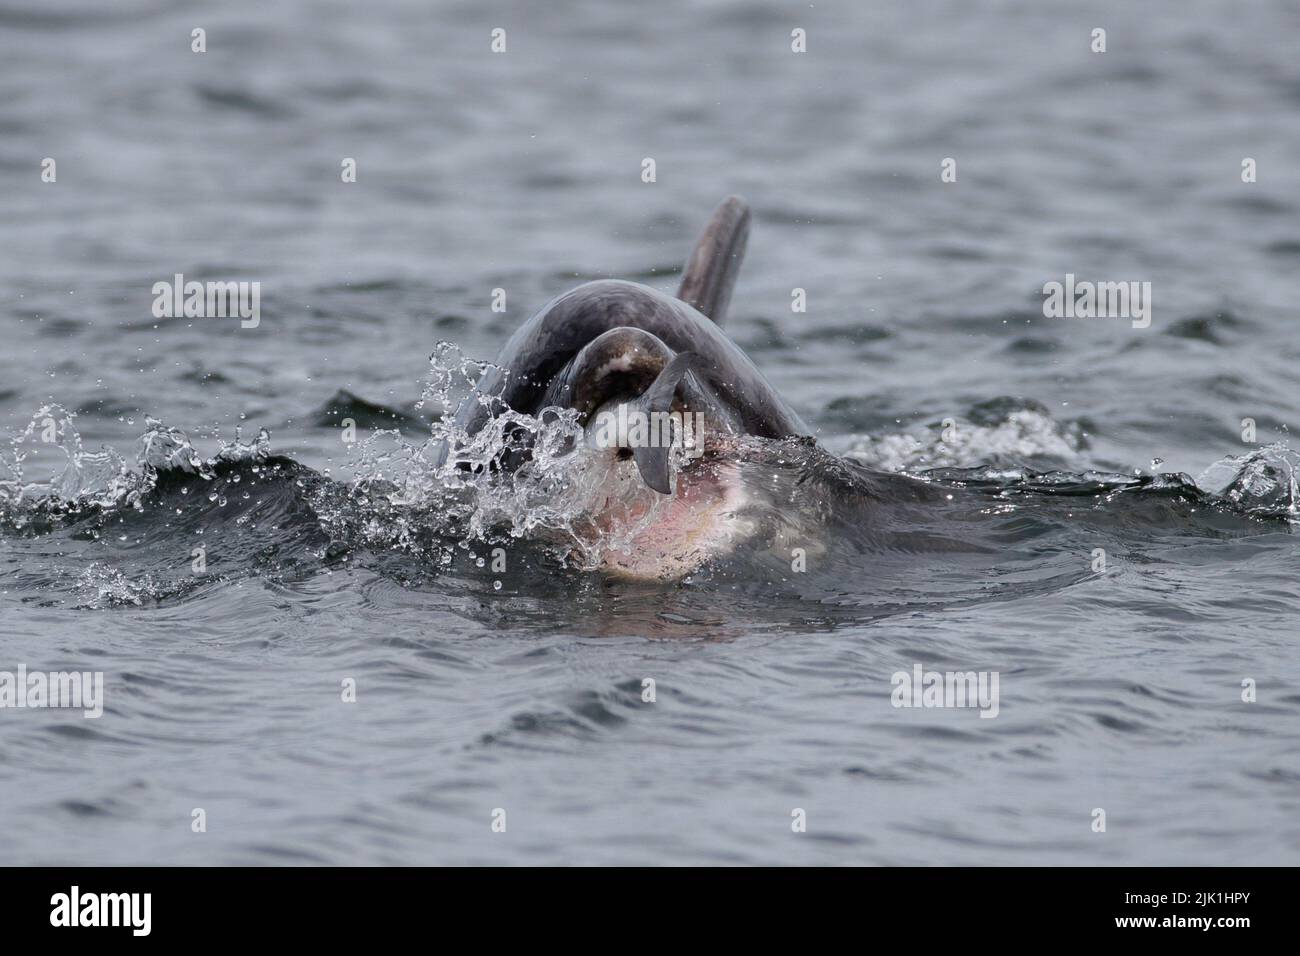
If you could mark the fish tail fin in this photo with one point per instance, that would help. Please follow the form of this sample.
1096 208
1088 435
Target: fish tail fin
652 461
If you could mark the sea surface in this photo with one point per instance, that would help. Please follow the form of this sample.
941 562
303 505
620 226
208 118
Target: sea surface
1078 505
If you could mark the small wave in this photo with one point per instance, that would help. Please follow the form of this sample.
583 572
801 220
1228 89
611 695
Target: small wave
110 587
344 405
1003 431
416 507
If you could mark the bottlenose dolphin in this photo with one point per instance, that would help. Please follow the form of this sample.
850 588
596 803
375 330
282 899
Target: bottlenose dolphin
612 349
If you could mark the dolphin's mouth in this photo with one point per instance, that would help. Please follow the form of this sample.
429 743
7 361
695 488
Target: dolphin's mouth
700 523
630 530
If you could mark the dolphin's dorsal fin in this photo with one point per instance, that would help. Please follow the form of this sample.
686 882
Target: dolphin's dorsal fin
652 462
711 271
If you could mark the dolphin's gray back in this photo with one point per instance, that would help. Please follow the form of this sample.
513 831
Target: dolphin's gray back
542 347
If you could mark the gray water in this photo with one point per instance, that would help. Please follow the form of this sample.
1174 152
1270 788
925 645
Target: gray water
1119 690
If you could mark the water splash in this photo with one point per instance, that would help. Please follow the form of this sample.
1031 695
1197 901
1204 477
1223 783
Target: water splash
456 482
1262 483
999 432
444 497
107 586
83 480
79 474
997 444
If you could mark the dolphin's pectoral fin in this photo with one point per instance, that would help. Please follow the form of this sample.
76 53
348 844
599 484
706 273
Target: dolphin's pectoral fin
711 271
652 460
